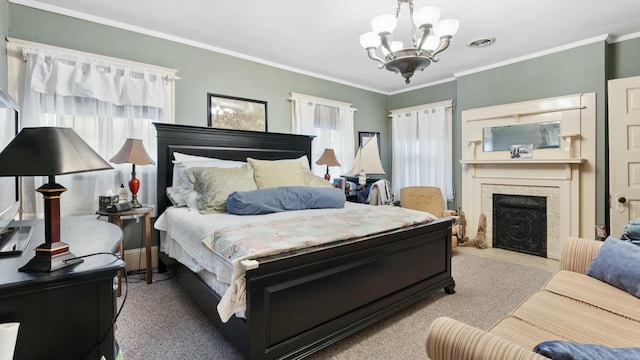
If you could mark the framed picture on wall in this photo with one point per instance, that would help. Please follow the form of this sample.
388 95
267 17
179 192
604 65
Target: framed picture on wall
229 112
364 136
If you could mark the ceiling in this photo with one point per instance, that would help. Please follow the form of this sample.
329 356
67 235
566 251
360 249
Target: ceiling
321 38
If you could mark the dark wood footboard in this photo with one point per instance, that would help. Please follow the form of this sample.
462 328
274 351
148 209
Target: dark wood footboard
301 304
304 303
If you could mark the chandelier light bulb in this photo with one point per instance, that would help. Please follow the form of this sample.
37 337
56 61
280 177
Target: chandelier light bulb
369 40
431 43
382 24
426 15
447 27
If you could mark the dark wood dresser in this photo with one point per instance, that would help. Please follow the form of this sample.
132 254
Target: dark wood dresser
69 313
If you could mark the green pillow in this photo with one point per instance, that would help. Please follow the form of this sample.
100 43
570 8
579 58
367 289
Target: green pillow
214 185
274 173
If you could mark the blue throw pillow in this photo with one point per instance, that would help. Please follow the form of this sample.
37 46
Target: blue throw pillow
284 198
565 350
618 264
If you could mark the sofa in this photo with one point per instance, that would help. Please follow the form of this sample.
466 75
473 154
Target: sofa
571 307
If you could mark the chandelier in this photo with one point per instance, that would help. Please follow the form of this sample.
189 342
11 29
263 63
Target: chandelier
429 38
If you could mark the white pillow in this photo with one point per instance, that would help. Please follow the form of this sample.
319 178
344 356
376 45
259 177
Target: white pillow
180 167
181 197
304 161
179 157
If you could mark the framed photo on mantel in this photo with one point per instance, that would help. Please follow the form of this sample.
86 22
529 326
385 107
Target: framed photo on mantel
229 112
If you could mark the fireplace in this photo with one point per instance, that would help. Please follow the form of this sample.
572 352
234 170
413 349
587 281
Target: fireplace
520 223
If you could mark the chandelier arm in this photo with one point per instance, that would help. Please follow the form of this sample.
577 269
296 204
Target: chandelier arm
372 55
425 31
386 43
444 44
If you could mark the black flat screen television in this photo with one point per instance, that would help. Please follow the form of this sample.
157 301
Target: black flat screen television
13 240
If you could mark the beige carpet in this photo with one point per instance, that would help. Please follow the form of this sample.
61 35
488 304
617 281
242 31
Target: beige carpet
159 321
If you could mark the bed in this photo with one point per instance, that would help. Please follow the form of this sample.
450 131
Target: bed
299 303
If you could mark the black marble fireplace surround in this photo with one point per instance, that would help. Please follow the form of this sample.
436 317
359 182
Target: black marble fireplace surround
520 223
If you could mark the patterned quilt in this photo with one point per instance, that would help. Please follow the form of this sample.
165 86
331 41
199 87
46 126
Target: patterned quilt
250 242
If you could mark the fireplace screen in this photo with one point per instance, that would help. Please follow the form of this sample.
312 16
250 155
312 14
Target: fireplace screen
520 223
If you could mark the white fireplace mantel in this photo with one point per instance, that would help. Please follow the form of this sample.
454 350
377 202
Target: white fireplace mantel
564 175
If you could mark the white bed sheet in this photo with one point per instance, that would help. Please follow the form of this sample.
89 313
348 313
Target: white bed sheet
171 247
189 228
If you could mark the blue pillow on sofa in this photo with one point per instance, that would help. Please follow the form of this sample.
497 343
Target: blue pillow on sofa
618 264
565 350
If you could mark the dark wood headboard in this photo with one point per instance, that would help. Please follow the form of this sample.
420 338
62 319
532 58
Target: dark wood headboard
222 144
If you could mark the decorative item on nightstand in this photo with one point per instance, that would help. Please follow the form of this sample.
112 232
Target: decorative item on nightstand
49 151
367 161
328 158
133 152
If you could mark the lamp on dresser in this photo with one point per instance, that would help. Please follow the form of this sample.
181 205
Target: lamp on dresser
367 161
49 151
133 152
328 158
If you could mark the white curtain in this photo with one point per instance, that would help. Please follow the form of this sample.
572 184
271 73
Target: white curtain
332 124
105 104
422 152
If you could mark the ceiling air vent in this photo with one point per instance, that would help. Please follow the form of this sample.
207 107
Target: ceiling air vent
480 43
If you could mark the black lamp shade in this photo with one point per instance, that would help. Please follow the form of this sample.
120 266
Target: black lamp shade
49 151
46 151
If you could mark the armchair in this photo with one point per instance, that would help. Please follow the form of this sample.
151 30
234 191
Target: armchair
429 199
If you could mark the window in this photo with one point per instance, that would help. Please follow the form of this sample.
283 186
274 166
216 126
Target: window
332 124
106 101
422 150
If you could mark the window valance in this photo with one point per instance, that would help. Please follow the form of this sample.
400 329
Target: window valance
67 75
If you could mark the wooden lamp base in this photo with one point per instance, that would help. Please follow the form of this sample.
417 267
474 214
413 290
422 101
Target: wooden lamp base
50 257
53 254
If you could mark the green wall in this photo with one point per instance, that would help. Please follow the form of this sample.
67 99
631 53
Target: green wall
624 59
4 30
202 71
578 70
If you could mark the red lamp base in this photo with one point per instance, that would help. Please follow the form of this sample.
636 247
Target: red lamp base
134 186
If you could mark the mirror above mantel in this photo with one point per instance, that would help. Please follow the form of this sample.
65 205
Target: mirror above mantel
544 135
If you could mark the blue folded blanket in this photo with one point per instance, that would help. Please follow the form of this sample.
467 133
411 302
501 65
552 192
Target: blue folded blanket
631 229
565 350
284 198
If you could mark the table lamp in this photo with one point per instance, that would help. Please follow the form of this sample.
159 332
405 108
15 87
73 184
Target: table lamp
367 161
49 151
328 158
133 152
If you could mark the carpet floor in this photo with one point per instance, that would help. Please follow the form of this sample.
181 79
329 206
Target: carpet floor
160 321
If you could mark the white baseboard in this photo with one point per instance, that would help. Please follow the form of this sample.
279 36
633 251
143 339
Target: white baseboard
135 259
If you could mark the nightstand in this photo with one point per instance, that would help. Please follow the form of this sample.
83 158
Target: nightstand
144 212
68 313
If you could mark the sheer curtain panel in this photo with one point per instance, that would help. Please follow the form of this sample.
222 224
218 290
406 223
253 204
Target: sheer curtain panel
422 150
332 124
105 102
